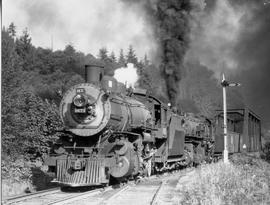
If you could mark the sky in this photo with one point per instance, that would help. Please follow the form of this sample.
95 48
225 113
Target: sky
87 25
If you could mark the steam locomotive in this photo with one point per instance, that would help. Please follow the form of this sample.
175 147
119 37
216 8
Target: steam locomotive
114 133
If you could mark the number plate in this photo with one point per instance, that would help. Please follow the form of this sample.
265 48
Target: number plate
80 90
82 110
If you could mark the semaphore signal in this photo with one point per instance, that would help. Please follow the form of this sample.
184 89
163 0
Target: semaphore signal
225 84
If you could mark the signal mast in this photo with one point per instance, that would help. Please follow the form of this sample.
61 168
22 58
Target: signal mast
225 84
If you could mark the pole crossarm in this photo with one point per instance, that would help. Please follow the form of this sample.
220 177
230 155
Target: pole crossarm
234 84
225 83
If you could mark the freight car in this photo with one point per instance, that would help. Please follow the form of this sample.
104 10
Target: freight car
244 131
114 133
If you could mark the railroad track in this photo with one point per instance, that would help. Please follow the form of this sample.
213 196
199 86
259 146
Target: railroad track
18 198
144 193
51 197
153 191
154 200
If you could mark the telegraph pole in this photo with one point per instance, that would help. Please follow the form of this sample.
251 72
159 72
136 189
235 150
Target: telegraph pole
225 84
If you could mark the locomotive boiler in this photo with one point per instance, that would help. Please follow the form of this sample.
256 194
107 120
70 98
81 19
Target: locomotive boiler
114 133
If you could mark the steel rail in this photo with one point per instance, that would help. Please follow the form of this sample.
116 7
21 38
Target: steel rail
70 199
18 198
155 197
122 189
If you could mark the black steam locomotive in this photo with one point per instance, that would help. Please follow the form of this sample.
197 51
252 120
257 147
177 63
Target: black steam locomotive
114 133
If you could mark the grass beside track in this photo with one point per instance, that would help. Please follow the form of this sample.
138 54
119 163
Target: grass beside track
245 180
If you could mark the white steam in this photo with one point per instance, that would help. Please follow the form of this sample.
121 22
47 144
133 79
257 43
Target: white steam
214 35
127 75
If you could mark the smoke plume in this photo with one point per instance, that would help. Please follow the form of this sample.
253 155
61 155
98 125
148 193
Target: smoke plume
169 20
173 29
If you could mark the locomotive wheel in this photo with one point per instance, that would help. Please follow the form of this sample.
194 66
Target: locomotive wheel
122 168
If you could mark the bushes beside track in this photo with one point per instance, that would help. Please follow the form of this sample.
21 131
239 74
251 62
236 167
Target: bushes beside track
245 180
21 176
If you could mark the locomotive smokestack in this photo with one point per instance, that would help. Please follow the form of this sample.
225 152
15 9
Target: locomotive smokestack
93 73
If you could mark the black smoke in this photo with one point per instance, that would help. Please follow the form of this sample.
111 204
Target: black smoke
170 21
173 29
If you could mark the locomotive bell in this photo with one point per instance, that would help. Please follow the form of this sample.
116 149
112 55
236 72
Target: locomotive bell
94 74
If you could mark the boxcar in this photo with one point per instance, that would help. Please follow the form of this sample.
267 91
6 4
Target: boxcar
244 131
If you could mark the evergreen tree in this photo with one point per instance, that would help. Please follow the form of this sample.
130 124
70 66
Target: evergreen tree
10 62
44 61
146 61
24 49
12 30
112 57
140 68
103 54
70 59
131 56
108 62
69 50
121 60
23 44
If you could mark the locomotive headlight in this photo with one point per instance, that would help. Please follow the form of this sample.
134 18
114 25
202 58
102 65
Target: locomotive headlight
79 100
